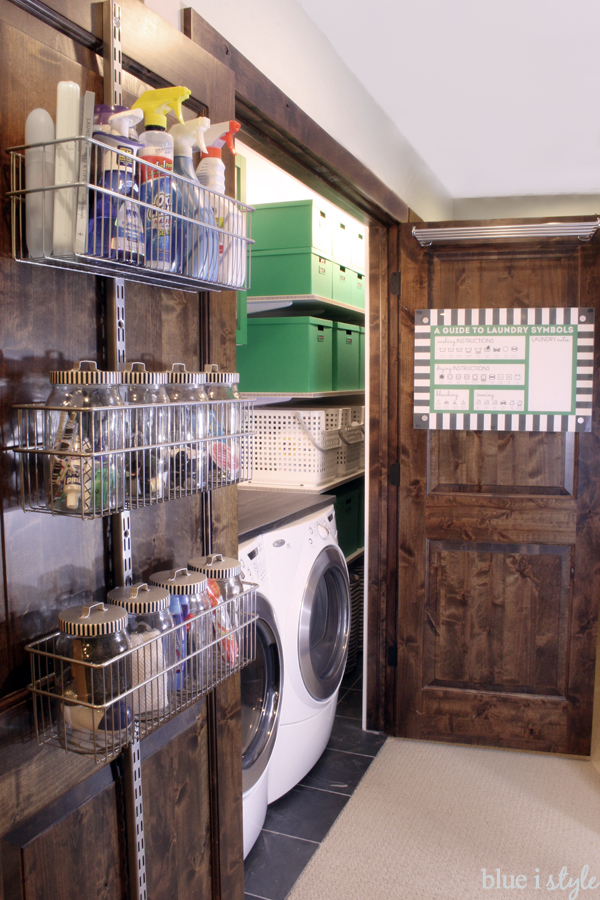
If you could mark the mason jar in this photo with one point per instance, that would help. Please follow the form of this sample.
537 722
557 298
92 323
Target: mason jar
95 670
147 435
188 600
148 618
83 417
189 424
224 582
224 426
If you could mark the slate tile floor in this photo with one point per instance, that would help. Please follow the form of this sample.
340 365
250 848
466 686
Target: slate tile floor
298 822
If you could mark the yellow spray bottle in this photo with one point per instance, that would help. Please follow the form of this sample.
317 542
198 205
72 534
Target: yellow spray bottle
156 189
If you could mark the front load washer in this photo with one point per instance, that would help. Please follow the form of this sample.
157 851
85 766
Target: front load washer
261 685
309 590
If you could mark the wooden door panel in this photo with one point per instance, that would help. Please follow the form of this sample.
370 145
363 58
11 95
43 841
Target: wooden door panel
495 618
498 534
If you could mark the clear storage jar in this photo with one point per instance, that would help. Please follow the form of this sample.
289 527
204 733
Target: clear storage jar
225 423
224 582
95 670
188 599
147 435
85 420
148 618
189 428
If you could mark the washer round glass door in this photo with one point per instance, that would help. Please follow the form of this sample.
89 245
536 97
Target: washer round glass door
325 624
261 682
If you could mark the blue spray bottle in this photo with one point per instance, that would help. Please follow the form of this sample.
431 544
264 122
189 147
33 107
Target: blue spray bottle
196 246
156 188
116 230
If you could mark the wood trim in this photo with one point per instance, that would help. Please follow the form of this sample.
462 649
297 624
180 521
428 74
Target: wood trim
286 134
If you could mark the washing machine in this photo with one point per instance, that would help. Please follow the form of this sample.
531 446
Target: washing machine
309 591
261 683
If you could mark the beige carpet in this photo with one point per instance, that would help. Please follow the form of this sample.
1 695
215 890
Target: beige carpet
427 818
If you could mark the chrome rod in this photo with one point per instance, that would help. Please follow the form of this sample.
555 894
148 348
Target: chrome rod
582 230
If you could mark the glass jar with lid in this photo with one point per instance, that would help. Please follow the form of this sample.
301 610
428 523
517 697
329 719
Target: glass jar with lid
189 422
84 415
225 422
188 599
147 435
149 621
93 676
224 581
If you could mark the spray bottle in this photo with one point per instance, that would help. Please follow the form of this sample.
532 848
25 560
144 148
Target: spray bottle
155 188
116 231
211 174
195 247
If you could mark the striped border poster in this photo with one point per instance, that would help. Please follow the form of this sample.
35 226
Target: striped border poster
504 369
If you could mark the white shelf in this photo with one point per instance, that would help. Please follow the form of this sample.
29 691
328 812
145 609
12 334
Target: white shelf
268 397
304 301
308 488
355 555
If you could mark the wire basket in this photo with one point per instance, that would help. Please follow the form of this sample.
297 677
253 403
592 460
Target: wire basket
96 461
189 237
158 685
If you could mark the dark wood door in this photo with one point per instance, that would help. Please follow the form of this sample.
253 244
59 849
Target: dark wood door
498 532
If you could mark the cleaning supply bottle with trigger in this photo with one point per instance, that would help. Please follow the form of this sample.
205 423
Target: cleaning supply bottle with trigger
211 174
195 246
155 188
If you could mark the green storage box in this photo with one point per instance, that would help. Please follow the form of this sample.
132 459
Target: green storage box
346 353
300 223
287 354
276 272
361 357
350 525
343 280
359 253
358 286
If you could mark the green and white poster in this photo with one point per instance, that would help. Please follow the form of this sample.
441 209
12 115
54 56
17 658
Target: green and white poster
504 369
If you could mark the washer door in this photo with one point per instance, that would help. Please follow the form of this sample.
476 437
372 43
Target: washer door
261 683
325 624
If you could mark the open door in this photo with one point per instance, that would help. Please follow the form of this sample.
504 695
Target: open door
498 549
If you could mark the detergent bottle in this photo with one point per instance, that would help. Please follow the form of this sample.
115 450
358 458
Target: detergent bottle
155 188
195 246
116 230
211 174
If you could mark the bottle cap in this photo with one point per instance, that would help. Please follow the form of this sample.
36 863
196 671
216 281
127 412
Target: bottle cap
179 375
140 598
215 377
216 566
136 373
80 375
93 620
180 581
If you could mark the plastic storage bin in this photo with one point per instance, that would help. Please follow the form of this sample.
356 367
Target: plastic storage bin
345 355
296 446
287 354
350 455
300 223
293 271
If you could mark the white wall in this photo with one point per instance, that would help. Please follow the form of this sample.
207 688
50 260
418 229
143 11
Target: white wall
281 40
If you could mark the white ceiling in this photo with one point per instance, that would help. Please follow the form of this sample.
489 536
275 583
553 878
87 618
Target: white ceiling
499 99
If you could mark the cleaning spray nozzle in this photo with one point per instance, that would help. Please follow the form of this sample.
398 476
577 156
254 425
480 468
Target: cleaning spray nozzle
156 104
121 122
190 134
220 134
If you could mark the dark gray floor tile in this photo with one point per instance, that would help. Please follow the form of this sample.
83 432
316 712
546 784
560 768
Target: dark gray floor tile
349 704
305 813
274 863
348 735
337 772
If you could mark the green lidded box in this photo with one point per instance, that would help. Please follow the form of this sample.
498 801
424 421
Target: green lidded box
298 223
346 356
361 357
349 515
342 284
287 354
290 271
357 289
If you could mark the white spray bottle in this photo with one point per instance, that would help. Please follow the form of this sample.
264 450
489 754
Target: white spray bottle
211 174
195 246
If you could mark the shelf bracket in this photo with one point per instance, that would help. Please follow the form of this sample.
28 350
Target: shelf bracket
132 777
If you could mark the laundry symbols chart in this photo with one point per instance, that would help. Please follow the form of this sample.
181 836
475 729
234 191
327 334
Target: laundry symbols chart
504 369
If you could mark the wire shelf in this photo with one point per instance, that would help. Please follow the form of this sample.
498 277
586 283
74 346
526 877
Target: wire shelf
188 238
96 461
144 687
